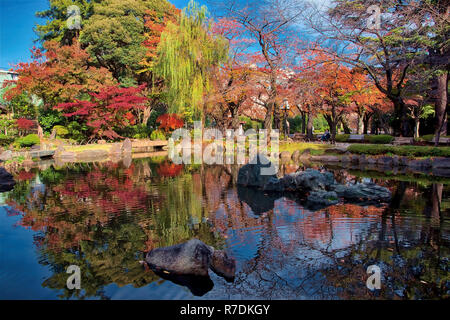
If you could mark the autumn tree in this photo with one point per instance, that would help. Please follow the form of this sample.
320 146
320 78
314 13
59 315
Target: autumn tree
385 51
58 75
106 111
269 24
233 82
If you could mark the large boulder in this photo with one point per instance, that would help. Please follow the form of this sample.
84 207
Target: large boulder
363 192
191 258
251 174
7 182
313 180
6 155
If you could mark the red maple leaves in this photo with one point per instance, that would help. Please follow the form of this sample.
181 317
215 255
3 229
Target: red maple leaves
110 109
169 121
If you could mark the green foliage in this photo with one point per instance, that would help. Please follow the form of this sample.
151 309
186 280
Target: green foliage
55 27
139 131
61 131
409 151
342 137
320 124
7 126
22 106
427 137
114 34
157 135
379 139
295 124
187 52
250 124
5 140
48 118
78 132
27 141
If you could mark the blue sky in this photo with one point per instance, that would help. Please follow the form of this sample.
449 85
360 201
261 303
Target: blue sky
17 20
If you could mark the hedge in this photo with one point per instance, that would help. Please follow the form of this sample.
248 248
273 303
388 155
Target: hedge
342 137
157 135
410 151
375 139
27 141
5 140
379 139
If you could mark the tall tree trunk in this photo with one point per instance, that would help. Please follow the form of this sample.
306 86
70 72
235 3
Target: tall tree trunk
146 115
347 129
416 127
366 120
309 126
440 104
303 114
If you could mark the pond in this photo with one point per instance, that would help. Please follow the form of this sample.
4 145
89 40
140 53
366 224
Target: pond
102 217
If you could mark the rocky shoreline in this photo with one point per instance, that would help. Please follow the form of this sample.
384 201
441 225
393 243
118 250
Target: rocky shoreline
318 188
438 166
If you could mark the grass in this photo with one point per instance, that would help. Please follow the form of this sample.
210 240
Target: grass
88 147
315 148
409 151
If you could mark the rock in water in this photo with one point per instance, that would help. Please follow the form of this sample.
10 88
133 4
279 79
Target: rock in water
363 192
250 174
321 198
7 182
191 258
313 180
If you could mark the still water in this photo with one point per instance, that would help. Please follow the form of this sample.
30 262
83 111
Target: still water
104 216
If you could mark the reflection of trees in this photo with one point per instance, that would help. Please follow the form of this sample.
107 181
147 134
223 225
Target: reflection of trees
413 260
102 217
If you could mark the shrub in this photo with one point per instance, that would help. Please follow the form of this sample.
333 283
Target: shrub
139 131
24 124
409 151
379 139
61 131
157 135
169 122
27 141
78 132
427 137
342 137
295 124
5 140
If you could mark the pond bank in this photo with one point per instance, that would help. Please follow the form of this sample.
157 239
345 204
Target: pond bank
439 166
84 153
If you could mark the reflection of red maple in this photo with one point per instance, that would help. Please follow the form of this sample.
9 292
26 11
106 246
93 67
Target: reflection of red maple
78 204
167 169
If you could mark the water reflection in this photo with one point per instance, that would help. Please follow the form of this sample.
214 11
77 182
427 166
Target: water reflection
103 217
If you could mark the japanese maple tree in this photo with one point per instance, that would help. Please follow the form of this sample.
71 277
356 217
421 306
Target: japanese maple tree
169 122
59 74
105 112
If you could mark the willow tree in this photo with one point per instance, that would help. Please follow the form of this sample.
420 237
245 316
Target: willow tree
187 53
